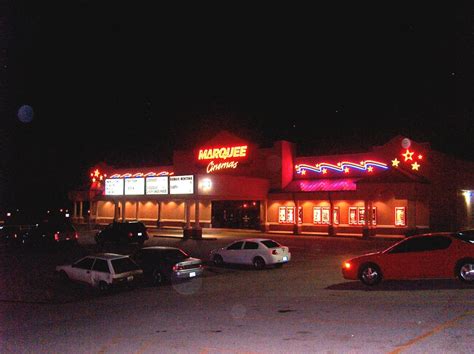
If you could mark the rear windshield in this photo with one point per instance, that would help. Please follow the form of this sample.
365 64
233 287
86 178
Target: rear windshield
271 244
123 265
135 226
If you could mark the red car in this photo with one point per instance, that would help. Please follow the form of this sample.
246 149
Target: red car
434 255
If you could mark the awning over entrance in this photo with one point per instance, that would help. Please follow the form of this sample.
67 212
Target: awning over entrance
321 185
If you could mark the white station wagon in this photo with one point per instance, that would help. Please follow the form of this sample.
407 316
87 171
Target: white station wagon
102 270
258 252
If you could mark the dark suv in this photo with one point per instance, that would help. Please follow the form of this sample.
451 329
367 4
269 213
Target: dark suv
122 233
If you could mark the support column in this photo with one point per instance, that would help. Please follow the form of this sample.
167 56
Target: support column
137 208
297 226
331 229
365 228
81 215
411 218
187 231
264 226
124 205
158 220
197 230
117 210
75 210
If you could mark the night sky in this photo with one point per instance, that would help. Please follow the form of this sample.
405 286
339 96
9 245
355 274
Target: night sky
128 84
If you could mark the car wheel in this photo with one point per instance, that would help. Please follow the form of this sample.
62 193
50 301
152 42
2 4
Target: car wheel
465 270
103 286
217 259
157 277
370 274
258 263
63 276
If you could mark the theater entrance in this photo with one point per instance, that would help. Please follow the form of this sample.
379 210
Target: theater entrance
236 214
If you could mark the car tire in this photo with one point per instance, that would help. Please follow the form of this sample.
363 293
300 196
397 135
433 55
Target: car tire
258 263
103 286
465 270
63 276
218 260
157 277
370 274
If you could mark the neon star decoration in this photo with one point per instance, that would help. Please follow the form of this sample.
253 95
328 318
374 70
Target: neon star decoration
415 166
344 166
395 162
97 176
408 155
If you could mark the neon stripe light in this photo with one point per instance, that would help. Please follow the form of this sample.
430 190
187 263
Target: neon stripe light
141 174
322 167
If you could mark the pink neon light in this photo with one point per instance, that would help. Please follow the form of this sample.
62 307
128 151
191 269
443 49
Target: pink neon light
141 174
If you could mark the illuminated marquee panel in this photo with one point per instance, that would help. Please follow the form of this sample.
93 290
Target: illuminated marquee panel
321 215
341 167
135 186
182 184
157 185
141 174
114 186
357 216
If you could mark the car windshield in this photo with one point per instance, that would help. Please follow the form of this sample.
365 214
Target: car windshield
271 244
123 265
466 235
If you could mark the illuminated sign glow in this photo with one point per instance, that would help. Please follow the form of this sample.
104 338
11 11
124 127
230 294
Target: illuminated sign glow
219 157
343 166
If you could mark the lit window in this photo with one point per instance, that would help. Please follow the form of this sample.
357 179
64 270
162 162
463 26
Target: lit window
400 219
321 215
286 215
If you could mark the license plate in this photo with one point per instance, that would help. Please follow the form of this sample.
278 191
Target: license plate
130 278
285 259
192 274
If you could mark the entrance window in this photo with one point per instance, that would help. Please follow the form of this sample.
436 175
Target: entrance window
400 219
286 215
321 215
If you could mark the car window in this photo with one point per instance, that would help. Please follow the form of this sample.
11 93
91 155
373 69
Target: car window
85 263
422 244
236 246
250 245
101 265
122 265
271 243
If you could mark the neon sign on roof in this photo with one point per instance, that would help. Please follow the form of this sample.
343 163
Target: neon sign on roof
342 167
140 174
222 157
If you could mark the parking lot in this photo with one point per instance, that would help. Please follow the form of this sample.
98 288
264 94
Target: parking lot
304 307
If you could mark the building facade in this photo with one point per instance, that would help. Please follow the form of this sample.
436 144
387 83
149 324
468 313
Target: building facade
400 187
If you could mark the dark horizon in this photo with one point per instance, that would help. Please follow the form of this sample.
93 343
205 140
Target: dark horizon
130 84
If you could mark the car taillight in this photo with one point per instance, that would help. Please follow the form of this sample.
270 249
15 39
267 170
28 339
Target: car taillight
56 236
274 252
130 234
76 235
347 265
177 267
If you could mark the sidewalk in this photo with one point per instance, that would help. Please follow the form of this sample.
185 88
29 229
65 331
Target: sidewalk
213 234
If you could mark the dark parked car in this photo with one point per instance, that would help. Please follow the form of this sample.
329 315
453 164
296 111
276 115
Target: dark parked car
166 264
50 233
123 232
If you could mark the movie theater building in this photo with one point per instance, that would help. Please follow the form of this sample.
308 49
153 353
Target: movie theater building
228 182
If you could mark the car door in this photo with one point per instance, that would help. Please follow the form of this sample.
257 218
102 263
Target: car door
100 271
232 253
403 261
81 270
250 250
437 259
